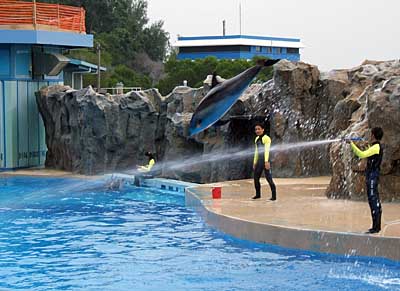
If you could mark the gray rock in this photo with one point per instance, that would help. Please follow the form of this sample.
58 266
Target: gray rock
90 133
373 100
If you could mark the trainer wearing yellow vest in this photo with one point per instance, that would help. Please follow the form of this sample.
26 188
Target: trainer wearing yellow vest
374 156
261 161
150 165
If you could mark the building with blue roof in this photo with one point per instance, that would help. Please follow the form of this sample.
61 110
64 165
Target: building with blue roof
74 71
238 47
33 38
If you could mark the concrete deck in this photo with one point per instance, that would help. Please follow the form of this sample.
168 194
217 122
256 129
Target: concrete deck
302 217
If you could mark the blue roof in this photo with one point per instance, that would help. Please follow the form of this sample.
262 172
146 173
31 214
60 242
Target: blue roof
85 66
238 36
55 38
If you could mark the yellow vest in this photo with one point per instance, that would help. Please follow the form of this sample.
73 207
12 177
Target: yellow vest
148 167
266 141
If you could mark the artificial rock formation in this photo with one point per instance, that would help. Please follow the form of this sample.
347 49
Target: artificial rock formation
299 103
373 99
91 133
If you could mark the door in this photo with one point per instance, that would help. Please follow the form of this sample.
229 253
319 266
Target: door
10 124
42 132
1 125
23 125
33 132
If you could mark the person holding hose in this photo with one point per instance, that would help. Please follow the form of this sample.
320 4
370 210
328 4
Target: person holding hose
374 156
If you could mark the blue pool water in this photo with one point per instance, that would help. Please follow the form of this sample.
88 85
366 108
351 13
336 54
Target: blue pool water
64 234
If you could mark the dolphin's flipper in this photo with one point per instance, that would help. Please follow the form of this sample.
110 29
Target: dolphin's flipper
271 62
267 62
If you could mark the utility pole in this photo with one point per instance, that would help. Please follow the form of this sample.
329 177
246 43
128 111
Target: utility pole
98 49
240 18
223 27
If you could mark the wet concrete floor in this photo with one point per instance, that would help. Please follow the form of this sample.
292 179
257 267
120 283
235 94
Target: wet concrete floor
301 203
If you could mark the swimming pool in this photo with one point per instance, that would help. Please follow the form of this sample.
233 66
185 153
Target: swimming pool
69 234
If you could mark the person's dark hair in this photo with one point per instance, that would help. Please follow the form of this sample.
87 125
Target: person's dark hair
260 124
377 132
149 155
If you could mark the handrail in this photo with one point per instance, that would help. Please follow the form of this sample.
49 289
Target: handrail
118 90
63 17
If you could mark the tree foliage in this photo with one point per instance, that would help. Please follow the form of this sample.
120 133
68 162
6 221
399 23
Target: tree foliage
134 50
123 30
195 72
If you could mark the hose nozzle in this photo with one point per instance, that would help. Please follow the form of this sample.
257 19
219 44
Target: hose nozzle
348 139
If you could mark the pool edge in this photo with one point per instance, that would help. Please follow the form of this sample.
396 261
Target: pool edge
331 242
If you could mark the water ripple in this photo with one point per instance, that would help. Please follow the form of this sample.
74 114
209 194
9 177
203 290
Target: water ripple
54 239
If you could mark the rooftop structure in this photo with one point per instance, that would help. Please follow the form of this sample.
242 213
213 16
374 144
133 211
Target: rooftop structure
238 47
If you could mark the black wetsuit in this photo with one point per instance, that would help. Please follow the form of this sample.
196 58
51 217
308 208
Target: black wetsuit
372 179
259 168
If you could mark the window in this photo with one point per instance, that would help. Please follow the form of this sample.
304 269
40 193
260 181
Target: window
222 48
22 61
278 50
269 50
4 62
291 50
258 49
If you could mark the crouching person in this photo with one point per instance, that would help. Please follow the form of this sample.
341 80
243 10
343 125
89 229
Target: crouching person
145 171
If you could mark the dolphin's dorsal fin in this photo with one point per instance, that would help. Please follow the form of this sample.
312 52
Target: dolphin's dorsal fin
214 81
266 62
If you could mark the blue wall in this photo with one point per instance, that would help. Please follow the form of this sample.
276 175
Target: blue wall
241 55
16 62
22 136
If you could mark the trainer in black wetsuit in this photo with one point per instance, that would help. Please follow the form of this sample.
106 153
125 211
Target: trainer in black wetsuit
261 161
374 154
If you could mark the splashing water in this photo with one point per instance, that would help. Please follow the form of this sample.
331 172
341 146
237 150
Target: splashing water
231 154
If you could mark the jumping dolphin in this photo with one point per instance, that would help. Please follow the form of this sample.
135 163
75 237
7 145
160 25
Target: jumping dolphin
222 97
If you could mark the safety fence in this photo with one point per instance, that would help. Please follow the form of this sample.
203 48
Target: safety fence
62 17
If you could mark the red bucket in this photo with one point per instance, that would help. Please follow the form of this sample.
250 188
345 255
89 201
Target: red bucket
216 192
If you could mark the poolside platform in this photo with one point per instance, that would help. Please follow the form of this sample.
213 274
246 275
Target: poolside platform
42 172
302 217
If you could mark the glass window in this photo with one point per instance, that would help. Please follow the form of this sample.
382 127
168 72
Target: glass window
222 48
269 50
22 61
4 62
278 50
291 50
258 49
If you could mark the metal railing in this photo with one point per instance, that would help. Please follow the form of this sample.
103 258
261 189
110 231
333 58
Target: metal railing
118 90
42 15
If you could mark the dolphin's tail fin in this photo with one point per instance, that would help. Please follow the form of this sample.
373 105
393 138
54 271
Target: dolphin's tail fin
267 62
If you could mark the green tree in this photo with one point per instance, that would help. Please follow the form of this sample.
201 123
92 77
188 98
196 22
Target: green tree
126 37
195 72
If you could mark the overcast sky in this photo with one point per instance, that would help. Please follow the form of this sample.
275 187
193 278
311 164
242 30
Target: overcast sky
337 34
